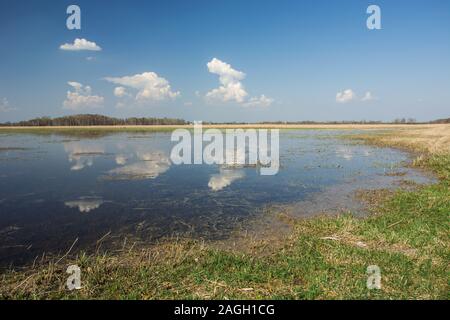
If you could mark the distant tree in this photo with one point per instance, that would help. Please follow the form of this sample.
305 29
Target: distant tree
95 120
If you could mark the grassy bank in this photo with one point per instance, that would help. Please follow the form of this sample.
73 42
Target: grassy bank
407 236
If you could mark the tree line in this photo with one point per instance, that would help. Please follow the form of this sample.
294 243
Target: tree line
441 121
95 120
101 120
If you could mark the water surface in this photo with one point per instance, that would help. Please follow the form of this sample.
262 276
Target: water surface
57 188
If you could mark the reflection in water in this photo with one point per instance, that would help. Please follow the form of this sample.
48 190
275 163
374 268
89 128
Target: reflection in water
149 165
224 178
82 153
235 157
344 152
121 159
85 204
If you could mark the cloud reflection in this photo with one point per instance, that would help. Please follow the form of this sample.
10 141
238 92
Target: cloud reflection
82 154
225 178
345 153
121 159
85 205
149 165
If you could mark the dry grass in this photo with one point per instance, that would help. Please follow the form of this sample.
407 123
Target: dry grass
431 139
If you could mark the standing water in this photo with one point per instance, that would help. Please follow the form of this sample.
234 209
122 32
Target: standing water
55 188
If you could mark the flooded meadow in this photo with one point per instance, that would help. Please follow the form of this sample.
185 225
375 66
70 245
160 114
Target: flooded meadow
61 188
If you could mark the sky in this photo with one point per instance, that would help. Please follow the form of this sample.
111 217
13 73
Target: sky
227 60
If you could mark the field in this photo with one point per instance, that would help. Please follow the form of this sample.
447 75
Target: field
406 235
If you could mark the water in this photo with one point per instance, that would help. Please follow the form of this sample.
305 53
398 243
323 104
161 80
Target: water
56 188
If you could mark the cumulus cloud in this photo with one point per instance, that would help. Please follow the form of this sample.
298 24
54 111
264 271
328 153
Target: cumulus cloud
262 101
345 96
4 106
349 95
230 79
120 92
149 86
230 92
231 87
81 98
80 45
226 73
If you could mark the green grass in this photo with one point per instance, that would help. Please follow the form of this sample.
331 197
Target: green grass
407 236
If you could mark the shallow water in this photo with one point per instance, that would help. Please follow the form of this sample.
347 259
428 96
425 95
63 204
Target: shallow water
57 188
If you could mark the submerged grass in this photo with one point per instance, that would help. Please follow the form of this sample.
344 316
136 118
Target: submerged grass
407 236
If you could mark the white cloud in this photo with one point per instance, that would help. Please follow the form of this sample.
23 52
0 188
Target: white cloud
149 86
368 96
4 106
231 88
230 79
230 92
81 97
188 104
120 92
345 96
80 45
225 71
349 95
262 101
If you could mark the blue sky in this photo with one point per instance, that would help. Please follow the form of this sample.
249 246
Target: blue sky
268 60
